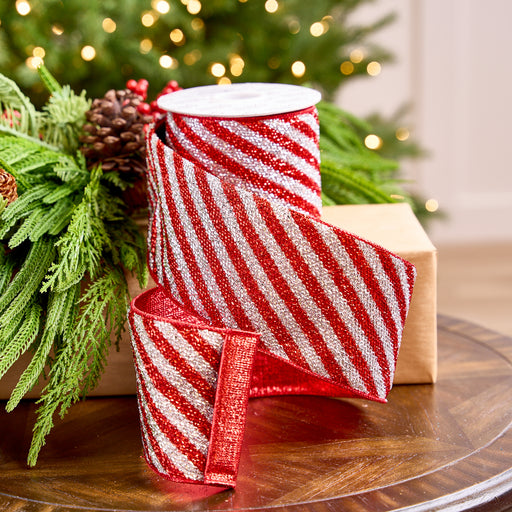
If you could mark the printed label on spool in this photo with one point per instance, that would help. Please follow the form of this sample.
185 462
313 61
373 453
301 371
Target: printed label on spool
239 100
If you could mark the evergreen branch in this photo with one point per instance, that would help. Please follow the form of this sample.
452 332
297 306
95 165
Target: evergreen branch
48 80
39 252
80 362
54 219
30 287
25 336
337 176
11 100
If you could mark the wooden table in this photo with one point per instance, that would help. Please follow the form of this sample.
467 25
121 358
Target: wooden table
432 447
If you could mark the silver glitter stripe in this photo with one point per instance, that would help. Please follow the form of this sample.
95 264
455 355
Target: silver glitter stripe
214 339
222 254
341 305
308 305
310 120
267 145
300 338
179 460
156 258
188 352
384 282
192 239
400 270
172 237
265 285
306 142
199 155
167 409
340 254
248 162
172 374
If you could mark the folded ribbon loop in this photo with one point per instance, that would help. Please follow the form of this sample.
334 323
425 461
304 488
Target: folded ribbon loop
257 295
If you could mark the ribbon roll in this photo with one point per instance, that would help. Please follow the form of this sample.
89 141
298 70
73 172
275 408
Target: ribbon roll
256 294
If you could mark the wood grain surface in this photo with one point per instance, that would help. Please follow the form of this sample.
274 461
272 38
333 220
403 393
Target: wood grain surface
446 446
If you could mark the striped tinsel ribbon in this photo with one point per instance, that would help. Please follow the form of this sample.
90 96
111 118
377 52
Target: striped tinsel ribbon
256 294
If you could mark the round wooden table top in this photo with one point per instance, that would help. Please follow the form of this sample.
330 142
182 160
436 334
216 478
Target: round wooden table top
446 446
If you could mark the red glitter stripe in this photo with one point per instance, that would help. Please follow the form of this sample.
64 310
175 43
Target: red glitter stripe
216 265
182 238
368 274
303 126
246 277
171 470
291 145
318 295
244 174
172 264
282 287
173 434
168 390
279 165
391 271
175 359
324 253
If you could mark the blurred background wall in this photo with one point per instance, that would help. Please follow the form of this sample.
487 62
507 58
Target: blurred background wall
453 67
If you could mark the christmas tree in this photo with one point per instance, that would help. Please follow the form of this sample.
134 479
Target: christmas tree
99 45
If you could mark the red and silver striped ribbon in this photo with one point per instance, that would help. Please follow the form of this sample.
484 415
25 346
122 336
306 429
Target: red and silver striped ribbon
257 295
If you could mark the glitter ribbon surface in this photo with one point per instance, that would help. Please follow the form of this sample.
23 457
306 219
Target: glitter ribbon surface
256 294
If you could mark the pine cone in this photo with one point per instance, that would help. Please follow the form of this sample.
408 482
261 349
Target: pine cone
115 132
8 188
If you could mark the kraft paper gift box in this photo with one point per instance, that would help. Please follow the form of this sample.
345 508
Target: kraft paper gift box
392 226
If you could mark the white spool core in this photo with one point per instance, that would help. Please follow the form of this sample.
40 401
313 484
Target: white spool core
239 100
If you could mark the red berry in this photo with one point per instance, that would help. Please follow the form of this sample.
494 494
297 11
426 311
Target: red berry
131 84
172 84
144 108
143 84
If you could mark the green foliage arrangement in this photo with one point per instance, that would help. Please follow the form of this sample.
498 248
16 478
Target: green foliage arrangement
352 173
65 245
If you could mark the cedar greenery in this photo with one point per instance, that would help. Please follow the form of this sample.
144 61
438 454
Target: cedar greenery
66 243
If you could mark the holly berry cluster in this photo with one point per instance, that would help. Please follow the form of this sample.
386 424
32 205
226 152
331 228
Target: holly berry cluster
140 88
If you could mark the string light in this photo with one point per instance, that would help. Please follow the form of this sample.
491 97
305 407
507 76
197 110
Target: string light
224 81
402 134
161 6
274 62
317 29
356 56
373 68
145 46
294 26
242 1
298 68
109 25
38 52
57 30
192 57
197 24
88 52
217 69
23 7
34 62
373 141
236 65
271 6
168 62
347 68
194 6
177 37
431 205
148 19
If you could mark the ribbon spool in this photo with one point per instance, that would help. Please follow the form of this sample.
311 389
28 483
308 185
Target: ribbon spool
256 295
